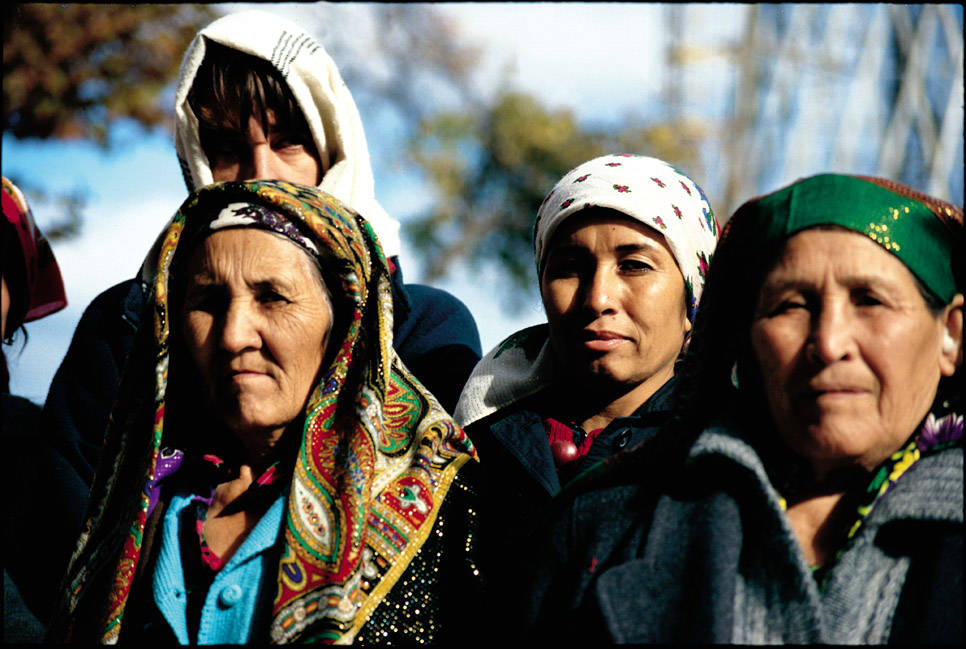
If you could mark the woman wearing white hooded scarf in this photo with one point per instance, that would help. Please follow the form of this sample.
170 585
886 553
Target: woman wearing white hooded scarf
434 333
621 245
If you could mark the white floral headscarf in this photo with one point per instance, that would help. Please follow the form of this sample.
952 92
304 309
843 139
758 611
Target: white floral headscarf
648 190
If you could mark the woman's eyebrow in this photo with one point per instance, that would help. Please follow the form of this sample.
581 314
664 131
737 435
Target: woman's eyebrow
851 281
202 277
637 246
567 247
274 282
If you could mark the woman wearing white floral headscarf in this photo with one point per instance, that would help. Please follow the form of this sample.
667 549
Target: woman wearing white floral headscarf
622 244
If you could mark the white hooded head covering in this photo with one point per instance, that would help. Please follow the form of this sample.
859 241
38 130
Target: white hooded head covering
645 189
320 92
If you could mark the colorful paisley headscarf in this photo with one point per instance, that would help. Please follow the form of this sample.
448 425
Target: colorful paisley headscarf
645 189
376 458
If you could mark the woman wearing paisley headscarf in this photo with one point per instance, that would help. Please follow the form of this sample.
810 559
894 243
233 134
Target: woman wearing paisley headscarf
621 244
811 491
272 471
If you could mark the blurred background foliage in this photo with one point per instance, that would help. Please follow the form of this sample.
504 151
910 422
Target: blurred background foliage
492 167
791 90
71 71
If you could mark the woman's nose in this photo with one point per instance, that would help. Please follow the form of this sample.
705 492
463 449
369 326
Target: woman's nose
239 331
265 163
600 290
831 337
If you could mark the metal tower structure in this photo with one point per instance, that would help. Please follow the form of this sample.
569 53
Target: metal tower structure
857 88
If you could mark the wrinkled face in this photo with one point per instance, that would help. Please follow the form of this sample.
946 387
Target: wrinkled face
279 154
255 323
615 304
849 353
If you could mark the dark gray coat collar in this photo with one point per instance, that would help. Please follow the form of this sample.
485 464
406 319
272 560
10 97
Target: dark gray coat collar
522 433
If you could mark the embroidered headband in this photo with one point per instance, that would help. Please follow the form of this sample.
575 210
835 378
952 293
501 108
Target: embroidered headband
916 228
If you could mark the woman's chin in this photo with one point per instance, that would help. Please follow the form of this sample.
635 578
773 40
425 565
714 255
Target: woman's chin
605 379
250 425
835 442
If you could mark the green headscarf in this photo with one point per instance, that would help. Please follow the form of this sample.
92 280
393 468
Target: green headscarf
914 227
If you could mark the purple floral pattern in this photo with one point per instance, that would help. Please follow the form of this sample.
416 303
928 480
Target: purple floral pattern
941 433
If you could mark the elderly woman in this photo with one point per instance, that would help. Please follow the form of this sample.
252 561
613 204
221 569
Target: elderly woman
622 243
272 471
812 489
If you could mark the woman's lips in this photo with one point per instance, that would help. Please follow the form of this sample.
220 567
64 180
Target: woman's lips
831 394
601 341
244 375
818 394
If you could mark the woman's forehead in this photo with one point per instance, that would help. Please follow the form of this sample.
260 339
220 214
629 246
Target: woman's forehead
615 228
844 256
247 250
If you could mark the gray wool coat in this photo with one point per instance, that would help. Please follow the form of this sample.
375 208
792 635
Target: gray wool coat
690 544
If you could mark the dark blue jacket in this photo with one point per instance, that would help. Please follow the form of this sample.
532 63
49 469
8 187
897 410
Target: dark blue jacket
520 477
519 481
434 334
39 488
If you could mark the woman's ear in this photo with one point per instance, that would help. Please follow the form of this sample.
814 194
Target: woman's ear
951 356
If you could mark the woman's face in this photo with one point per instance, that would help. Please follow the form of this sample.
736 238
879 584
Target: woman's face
256 324
282 153
849 353
614 298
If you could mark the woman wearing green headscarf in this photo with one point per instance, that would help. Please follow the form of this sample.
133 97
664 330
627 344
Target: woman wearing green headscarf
811 487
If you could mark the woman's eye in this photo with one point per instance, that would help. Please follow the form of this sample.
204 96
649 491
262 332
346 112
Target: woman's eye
787 305
220 146
290 141
203 300
565 267
269 296
635 266
862 297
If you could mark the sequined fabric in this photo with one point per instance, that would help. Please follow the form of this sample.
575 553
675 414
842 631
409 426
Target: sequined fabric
429 603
